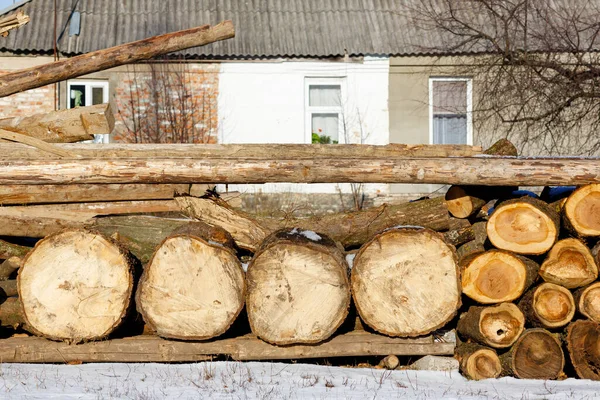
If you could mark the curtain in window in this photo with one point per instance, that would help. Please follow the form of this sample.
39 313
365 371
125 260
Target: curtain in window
325 125
324 95
450 129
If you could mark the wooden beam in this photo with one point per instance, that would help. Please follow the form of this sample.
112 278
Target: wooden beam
452 170
71 125
12 21
238 151
44 194
128 53
153 349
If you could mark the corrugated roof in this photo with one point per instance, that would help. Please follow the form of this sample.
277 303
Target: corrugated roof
264 28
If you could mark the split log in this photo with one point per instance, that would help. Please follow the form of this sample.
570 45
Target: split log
8 250
350 229
9 267
570 264
478 362
45 194
583 344
75 286
11 313
496 326
548 306
261 151
496 276
587 300
537 354
580 211
452 170
193 288
298 289
524 226
405 282
69 125
128 53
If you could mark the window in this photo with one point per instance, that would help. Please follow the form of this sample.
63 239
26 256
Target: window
323 110
450 107
88 93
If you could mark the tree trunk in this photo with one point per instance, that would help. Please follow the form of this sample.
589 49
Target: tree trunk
570 264
478 362
548 306
193 288
496 276
580 211
8 250
537 354
128 53
350 229
495 326
298 289
587 300
9 267
70 125
75 286
405 282
523 226
491 171
45 194
583 339
11 313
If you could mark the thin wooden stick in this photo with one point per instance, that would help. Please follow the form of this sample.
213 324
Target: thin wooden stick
37 143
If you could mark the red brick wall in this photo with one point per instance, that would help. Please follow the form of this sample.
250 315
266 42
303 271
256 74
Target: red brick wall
33 101
148 105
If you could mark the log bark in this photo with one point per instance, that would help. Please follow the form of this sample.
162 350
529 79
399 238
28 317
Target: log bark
587 300
468 249
75 286
583 338
405 282
537 354
478 362
8 288
580 212
128 53
45 194
523 226
9 267
112 151
70 125
491 170
298 289
8 250
193 288
460 235
496 276
570 264
548 306
350 229
495 326
11 313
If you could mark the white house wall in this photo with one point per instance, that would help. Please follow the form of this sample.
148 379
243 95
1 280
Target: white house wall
264 102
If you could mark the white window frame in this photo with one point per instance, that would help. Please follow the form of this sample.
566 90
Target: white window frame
89 84
308 110
469 104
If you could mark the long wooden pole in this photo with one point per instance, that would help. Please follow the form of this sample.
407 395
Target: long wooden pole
466 170
128 53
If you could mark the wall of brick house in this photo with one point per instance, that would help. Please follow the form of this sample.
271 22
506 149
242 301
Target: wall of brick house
132 99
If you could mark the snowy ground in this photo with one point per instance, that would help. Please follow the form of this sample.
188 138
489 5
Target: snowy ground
232 380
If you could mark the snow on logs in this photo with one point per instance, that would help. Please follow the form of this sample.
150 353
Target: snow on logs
298 289
193 288
405 282
76 286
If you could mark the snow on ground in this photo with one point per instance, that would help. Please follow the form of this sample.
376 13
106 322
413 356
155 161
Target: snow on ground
253 380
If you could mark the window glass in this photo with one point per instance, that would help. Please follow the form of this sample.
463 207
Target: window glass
97 95
77 96
324 96
326 125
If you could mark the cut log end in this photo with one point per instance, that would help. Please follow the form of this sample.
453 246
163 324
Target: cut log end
405 282
580 211
75 286
548 305
496 276
588 302
570 264
536 355
583 341
193 288
478 362
523 226
298 290
460 203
